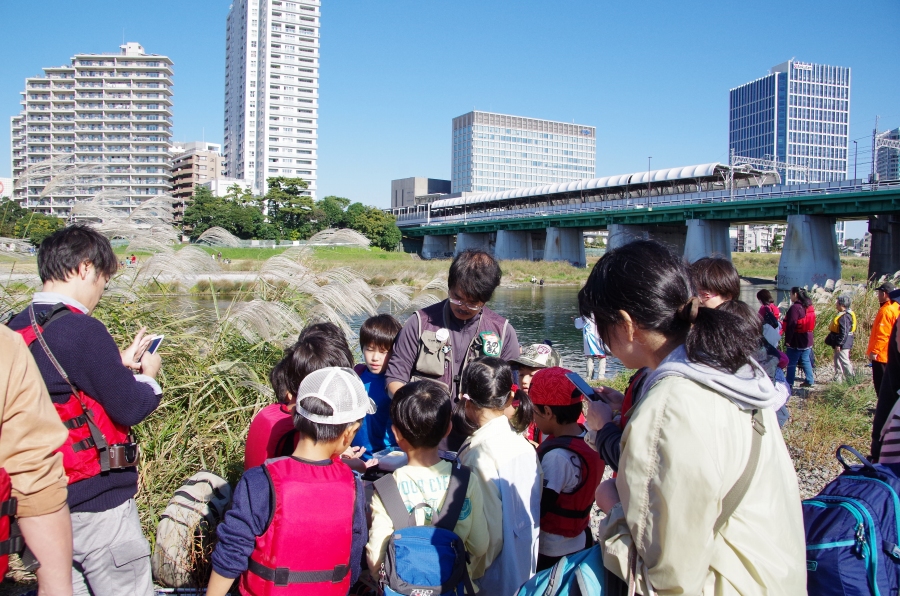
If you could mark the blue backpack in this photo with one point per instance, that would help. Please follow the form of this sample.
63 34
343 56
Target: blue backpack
853 530
425 559
579 574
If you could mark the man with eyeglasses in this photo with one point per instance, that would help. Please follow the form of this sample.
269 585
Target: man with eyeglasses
98 398
440 340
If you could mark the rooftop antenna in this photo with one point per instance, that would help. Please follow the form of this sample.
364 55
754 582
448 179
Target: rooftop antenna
123 36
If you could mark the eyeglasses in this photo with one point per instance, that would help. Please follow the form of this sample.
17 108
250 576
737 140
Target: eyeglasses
471 307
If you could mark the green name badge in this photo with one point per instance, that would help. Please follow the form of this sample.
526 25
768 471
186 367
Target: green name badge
490 344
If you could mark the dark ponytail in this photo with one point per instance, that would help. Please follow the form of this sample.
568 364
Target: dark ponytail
488 382
524 415
653 285
802 297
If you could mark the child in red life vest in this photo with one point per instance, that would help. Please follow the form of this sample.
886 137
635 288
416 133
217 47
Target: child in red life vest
376 339
271 432
421 413
297 524
572 470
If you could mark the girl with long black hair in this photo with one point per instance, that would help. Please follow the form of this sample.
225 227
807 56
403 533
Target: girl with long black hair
673 523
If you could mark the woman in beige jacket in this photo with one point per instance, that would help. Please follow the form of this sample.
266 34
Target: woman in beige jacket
689 439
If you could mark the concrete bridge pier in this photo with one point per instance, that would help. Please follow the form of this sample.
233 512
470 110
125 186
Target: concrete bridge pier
466 240
436 247
884 252
565 244
514 244
673 236
706 238
810 254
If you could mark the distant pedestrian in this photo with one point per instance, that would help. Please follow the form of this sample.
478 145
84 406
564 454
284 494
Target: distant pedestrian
133 260
771 318
840 338
877 351
594 352
799 323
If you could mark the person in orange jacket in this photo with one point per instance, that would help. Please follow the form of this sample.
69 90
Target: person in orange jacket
881 332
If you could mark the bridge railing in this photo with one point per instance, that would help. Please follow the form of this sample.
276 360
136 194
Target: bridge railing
698 198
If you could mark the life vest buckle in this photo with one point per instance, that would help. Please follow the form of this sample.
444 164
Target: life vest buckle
282 576
9 507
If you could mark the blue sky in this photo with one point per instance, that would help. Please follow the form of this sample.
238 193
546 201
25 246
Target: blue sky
652 76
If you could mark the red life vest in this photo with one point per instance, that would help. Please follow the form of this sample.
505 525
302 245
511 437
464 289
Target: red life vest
271 434
8 504
807 322
306 548
571 514
86 450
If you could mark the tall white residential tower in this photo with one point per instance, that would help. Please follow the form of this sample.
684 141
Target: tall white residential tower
272 91
109 111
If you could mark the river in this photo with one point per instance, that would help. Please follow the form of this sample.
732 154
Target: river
546 312
541 313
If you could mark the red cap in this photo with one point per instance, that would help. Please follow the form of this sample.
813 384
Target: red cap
550 387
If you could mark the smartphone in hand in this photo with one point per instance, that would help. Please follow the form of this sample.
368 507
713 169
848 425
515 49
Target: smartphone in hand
582 386
154 343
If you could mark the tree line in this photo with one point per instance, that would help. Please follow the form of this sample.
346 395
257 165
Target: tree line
25 224
285 213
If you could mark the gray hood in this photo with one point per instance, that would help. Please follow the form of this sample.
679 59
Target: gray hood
749 388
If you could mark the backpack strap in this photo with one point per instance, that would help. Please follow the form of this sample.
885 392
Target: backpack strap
734 496
389 493
455 499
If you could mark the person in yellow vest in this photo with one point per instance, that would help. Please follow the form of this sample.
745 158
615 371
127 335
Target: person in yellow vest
840 338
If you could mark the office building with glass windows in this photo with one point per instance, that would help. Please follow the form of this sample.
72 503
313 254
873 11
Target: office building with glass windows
272 91
102 124
798 114
492 152
889 158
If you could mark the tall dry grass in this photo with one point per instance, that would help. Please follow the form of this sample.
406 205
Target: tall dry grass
217 354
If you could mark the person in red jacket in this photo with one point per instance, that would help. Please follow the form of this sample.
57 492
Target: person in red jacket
799 323
271 432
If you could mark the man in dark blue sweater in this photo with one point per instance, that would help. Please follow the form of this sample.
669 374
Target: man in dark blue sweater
110 553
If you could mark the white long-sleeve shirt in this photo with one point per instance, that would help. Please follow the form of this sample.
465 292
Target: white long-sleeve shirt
510 474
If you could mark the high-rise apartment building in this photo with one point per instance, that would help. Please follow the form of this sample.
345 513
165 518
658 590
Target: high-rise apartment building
272 91
798 114
496 152
102 124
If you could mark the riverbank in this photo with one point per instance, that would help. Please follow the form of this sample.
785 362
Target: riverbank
380 267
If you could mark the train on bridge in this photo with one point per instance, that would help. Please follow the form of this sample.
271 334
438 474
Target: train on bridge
690 208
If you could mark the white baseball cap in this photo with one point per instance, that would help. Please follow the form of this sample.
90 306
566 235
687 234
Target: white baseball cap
341 389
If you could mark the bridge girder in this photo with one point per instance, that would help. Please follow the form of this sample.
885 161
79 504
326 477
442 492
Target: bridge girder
854 205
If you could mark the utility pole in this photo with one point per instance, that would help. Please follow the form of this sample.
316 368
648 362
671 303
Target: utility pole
648 177
874 149
855 153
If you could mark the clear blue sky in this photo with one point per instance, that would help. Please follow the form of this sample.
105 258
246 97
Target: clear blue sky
652 76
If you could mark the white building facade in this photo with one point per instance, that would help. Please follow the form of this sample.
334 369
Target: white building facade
102 124
493 152
272 91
